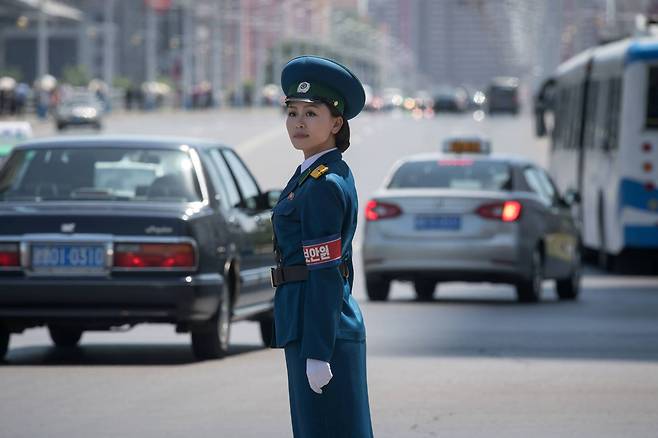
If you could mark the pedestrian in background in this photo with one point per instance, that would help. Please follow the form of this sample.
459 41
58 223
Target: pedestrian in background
316 319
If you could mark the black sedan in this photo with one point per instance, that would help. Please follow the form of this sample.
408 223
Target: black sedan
101 232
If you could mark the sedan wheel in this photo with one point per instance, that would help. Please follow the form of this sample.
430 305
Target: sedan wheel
377 288
4 341
568 288
211 340
64 336
424 289
529 290
267 330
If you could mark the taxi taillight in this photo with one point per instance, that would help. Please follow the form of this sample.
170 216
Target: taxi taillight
10 256
376 210
154 255
507 211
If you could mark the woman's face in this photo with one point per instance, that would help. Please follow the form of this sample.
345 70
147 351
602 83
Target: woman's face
311 127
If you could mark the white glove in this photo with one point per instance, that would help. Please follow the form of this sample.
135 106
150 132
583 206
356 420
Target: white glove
318 373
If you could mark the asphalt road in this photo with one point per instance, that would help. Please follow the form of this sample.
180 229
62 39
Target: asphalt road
472 363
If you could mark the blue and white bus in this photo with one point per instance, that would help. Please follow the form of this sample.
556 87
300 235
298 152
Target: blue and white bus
604 149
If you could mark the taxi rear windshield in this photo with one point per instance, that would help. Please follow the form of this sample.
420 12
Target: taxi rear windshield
460 174
107 174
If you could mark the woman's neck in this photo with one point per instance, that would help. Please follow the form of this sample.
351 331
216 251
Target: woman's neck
330 144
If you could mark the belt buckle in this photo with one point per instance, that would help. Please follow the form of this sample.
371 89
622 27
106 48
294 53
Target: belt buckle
273 277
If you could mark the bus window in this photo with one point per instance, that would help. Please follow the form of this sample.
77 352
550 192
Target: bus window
590 114
613 109
652 99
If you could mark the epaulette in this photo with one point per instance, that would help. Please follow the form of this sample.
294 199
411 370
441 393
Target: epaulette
319 171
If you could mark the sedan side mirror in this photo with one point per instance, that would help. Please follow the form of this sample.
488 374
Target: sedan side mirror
267 200
273 197
571 197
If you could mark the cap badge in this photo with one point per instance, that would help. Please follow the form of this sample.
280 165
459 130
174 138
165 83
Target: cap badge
303 87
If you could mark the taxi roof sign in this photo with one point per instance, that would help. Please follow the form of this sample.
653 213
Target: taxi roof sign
466 145
12 133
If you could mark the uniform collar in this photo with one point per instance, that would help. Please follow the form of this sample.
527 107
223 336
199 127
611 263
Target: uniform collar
310 160
325 157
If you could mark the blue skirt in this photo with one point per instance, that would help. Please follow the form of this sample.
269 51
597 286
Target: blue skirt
342 410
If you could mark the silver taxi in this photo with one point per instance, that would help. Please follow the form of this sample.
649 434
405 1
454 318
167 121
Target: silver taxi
466 215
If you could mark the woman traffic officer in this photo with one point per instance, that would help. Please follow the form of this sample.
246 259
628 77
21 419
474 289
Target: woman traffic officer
316 319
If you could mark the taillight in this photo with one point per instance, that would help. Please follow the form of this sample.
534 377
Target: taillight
508 211
376 210
9 255
154 255
646 147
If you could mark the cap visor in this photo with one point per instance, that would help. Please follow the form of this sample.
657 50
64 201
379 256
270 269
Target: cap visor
301 99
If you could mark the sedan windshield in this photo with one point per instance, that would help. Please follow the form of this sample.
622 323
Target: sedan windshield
113 174
453 174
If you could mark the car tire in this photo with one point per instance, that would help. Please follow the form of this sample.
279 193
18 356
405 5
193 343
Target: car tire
267 330
568 288
61 126
424 289
377 287
4 341
98 126
64 336
529 290
211 339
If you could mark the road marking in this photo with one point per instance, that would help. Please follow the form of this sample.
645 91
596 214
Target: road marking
260 140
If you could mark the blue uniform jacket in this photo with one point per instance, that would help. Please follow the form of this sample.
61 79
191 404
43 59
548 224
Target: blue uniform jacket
314 223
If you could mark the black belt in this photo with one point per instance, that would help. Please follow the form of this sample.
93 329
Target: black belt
288 274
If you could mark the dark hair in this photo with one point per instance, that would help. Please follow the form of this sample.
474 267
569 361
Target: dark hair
342 136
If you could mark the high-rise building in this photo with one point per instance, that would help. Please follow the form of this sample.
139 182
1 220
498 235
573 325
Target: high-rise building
470 41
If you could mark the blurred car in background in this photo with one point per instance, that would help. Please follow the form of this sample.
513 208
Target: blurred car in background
475 98
104 232
469 216
503 95
12 133
392 98
450 99
79 110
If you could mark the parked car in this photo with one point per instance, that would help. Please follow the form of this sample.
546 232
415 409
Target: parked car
470 217
101 232
79 110
12 133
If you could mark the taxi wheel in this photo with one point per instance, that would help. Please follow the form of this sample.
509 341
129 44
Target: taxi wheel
267 330
568 288
377 288
529 290
63 336
424 289
210 340
4 341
